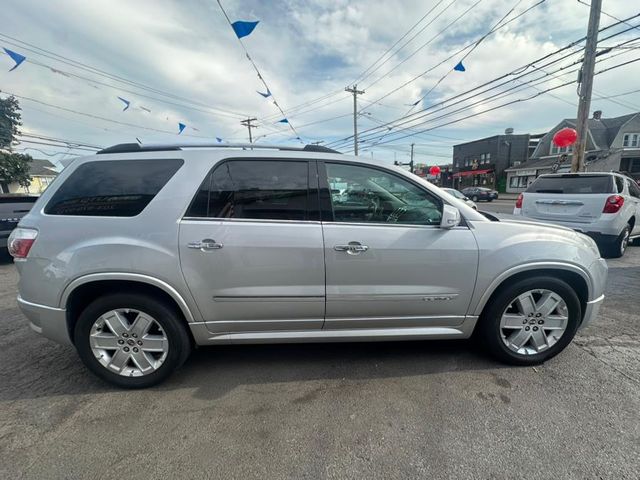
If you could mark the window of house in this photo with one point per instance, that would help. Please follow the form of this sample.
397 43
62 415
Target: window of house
254 189
487 158
631 140
112 188
634 165
375 196
555 150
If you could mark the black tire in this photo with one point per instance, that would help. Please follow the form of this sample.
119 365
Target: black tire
474 198
489 199
165 315
488 329
617 248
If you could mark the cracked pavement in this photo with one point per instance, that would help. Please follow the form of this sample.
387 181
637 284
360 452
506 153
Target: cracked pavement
379 410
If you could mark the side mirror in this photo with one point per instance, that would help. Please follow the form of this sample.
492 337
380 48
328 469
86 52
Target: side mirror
450 217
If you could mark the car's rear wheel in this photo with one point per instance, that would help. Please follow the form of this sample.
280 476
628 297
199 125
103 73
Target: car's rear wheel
619 245
530 321
130 340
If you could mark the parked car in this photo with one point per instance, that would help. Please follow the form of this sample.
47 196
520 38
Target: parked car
139 253
478 194
461 196
12 208
605 206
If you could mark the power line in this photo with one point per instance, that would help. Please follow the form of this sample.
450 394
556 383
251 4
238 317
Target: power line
449 25
512 102
102 73
414 116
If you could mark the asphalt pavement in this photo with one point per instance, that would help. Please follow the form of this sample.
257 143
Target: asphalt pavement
382 410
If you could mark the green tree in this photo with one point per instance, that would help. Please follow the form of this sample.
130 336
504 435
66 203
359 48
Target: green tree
14 167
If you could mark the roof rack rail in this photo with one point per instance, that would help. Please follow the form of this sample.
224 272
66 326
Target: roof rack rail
137 147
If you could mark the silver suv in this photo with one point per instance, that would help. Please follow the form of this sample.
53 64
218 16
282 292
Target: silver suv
139 253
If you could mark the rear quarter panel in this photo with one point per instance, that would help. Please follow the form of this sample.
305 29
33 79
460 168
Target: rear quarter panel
70 247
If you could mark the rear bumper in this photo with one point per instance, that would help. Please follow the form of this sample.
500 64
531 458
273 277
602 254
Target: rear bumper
47 321
591 311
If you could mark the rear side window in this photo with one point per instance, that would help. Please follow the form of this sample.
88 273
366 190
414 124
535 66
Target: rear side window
112 188
254 189
573 184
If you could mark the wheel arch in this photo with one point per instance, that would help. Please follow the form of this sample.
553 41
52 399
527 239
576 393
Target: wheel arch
82 291
578 279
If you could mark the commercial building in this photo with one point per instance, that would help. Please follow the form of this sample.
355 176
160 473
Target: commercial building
483 162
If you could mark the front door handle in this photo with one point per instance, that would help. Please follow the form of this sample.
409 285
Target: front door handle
352 248
205 245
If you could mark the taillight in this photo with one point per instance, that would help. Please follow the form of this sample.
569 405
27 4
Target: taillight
20 242
519 201
613 204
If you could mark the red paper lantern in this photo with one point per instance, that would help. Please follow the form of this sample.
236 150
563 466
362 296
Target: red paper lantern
435 170
565 137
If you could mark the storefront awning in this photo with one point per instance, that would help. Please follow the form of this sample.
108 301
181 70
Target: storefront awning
468 173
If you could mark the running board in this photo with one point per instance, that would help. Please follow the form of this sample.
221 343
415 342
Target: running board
203 336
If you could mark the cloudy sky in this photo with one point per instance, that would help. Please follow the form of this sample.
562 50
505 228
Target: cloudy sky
182 61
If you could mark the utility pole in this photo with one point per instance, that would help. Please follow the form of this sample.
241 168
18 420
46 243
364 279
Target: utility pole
411 161
586 85
247 123
354 90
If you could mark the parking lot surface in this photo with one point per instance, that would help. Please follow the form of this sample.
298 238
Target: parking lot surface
378 410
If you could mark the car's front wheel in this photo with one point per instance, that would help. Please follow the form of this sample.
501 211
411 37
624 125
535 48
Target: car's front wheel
131 340
530 321
474 198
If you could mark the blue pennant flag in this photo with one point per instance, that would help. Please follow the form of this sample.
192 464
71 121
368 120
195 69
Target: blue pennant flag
459 67
126 103
265 95
284 120
218 139
144 109
415 103
16 57
181 127
243 29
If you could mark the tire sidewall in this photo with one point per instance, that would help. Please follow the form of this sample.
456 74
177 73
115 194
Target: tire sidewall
166 316
490 321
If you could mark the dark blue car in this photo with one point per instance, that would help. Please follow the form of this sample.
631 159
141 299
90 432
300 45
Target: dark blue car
480 194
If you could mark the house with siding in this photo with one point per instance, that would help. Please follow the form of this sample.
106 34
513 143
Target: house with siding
613 144
41 172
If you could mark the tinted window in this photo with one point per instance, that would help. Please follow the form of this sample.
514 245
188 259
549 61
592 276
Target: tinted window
260 190
572 184
114 188
619 184
367 195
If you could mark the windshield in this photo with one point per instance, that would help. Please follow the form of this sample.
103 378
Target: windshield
573 184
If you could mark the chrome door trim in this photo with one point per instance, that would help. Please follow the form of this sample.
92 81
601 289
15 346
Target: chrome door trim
403 225
244 220
270 298
427 297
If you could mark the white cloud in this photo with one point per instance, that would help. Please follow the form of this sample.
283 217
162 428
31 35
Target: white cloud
305 49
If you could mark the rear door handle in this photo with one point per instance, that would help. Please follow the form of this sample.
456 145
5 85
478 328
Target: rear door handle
205 245
352 248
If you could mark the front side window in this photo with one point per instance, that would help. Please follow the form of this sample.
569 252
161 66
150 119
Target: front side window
369 195
112 188
634 190
254 189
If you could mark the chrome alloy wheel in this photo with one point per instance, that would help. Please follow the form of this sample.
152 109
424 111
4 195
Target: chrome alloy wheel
534 321
128 342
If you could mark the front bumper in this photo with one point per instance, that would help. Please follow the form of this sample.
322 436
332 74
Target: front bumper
591 311
48 321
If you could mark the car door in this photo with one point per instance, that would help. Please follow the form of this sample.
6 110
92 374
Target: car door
251 247
634 198
388 262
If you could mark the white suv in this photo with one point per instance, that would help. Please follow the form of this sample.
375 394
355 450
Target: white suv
605 206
